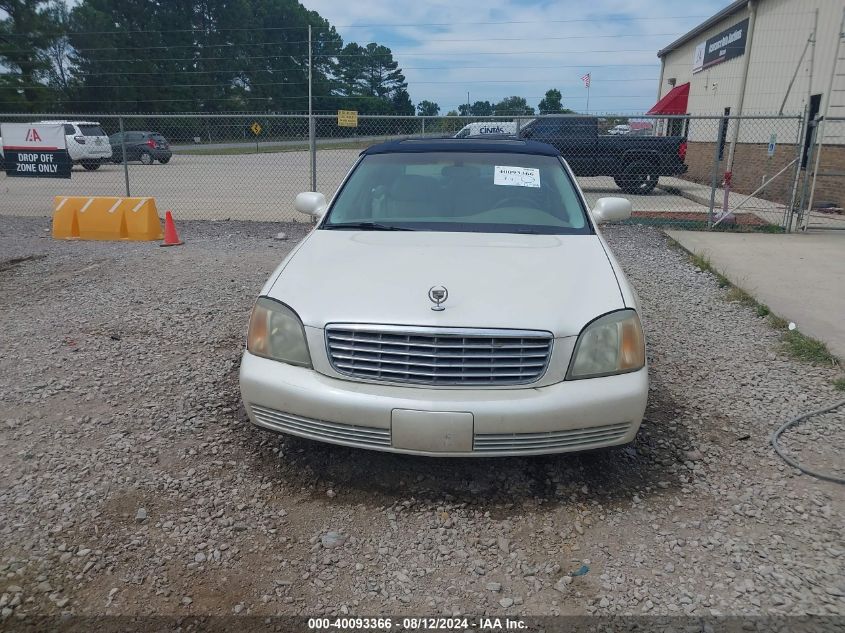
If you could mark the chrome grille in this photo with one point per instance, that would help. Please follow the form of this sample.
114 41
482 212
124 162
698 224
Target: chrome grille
551 440
438 356
320 429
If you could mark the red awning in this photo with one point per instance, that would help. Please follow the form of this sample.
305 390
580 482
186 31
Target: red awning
673 102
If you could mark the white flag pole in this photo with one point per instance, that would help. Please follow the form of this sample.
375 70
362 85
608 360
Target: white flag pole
589 81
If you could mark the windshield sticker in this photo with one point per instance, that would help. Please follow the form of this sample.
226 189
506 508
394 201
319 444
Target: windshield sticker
516 176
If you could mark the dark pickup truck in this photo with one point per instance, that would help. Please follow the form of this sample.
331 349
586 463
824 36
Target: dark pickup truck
635 162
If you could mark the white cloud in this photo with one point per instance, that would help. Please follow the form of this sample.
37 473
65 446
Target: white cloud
446 49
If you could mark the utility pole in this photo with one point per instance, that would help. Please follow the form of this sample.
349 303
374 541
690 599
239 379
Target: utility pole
312 128
740 99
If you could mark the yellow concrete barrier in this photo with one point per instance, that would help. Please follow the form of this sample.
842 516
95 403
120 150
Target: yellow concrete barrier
106 218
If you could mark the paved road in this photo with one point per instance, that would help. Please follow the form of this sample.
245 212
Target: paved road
268 146
245 187
799 276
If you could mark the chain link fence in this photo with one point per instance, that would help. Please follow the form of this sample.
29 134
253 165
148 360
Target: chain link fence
251 166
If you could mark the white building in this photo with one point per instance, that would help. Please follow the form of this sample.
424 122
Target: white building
755 57
710 58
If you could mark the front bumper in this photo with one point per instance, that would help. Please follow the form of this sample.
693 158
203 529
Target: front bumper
563 417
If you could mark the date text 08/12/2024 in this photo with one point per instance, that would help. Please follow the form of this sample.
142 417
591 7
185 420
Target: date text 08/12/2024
416 624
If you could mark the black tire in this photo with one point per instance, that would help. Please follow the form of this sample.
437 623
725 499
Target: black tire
638 178
146 158
164 161
90 165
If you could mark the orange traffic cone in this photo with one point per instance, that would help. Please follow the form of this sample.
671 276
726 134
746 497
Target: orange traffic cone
171 237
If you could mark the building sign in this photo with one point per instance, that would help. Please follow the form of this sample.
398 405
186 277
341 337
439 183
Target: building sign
773 142
35 150
347 118
698 57
721 47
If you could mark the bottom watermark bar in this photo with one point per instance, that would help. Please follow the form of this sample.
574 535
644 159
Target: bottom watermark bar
538 624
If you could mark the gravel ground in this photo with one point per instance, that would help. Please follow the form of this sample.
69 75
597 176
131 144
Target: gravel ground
131 482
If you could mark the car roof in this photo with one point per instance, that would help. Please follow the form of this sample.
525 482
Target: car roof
65 122
478 145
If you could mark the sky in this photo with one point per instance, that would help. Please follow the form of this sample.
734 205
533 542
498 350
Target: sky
498 48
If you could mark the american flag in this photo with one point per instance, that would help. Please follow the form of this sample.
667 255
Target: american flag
586 80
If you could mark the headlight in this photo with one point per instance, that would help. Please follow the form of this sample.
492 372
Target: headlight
276 332
612 344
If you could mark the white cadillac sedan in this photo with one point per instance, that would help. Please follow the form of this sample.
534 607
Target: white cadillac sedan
455 299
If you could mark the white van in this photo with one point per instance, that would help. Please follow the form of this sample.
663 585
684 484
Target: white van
87 143
487 128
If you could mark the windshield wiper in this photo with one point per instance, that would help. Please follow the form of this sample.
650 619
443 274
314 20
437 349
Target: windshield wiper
365 226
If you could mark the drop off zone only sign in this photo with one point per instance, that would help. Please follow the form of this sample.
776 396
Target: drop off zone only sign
35 150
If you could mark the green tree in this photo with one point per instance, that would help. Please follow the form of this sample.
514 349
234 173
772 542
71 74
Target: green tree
401 102
481 108
370 71
512 106
551 103
225 55
427 108
27 30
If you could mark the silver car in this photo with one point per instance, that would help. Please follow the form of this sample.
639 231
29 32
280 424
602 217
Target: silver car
456 298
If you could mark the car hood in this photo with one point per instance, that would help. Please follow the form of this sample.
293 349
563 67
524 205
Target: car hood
495 280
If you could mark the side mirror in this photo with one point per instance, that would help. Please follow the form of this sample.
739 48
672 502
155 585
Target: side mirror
526 133
612 209
311 203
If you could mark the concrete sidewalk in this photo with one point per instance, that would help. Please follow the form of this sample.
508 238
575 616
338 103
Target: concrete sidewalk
800 276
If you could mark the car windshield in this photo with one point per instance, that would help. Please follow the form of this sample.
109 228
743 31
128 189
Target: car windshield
91 130
459 191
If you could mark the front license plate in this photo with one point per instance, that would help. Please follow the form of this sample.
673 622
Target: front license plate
432 431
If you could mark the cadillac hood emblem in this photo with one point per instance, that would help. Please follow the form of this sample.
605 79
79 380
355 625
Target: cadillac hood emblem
438 295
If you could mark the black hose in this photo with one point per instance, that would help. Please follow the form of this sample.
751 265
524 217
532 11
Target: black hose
826 476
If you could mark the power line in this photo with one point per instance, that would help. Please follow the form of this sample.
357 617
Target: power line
305 83
273 98
605 19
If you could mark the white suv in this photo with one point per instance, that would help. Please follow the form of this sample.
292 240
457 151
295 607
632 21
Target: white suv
87 144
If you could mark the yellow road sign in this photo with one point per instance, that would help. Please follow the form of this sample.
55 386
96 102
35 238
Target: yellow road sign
347 118
256 128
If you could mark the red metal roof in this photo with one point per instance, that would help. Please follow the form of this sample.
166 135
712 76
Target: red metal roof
673 102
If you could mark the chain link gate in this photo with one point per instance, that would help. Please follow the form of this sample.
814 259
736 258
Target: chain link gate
251 166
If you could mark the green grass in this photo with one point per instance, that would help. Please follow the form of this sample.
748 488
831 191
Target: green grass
701 261
839 384
806 348
267 149
778 323
738 295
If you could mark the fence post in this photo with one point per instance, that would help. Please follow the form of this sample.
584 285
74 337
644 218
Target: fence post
123 152
801 143
806 184
312 151
714 172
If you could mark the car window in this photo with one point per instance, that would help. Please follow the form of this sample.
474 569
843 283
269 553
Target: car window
91 130
69 129
158 137
457 191
135 136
